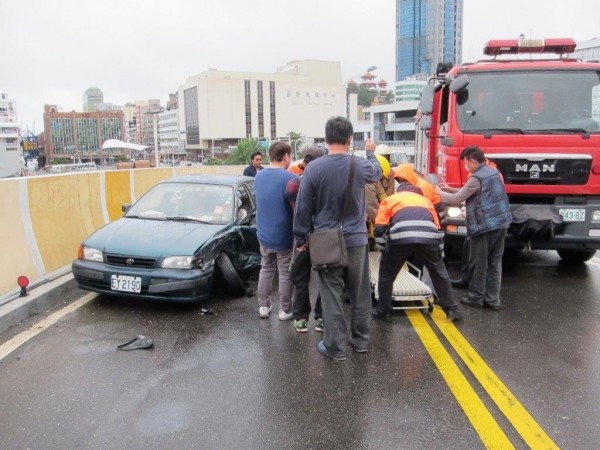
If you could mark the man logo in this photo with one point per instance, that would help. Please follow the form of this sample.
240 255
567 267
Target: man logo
535 168
129 261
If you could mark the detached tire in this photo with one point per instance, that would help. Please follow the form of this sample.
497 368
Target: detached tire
576 256
235 285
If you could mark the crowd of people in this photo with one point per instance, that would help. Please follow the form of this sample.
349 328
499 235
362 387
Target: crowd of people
394 210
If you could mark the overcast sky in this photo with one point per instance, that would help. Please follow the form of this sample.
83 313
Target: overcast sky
53 50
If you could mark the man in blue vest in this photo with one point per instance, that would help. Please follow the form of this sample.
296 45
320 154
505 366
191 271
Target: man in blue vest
488 218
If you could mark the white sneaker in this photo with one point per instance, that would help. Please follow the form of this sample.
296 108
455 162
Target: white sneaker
285 316
264 311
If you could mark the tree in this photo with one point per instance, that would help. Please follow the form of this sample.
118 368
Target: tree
243 150
365 95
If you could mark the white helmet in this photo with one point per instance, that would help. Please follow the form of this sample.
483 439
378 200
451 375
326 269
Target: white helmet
382 149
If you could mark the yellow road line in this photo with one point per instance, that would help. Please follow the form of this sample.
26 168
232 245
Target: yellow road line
533 435
12 344
482 420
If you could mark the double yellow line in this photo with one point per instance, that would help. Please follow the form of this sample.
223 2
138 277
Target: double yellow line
480 417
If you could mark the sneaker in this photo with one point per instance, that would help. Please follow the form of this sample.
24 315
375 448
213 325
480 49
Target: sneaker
301 325
319 325
285 315
264 311
324 351
469 302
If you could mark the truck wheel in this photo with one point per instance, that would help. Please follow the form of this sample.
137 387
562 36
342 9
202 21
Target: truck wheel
576 256
234 282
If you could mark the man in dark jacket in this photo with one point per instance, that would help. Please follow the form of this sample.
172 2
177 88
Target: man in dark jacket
255 165
488 218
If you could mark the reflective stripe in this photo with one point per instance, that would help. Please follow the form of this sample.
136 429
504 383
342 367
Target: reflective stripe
417 234
414 223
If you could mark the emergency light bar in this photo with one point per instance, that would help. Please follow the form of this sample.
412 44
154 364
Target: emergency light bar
514 46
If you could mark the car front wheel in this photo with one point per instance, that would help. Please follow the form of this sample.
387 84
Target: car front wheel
234 282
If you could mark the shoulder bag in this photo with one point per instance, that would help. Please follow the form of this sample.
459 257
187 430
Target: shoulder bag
327 247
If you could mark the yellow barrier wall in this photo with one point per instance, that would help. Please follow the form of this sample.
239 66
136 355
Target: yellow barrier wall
44 219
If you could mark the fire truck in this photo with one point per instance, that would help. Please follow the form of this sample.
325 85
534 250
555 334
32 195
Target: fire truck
538 120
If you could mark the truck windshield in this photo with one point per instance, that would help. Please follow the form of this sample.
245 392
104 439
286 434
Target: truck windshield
525 102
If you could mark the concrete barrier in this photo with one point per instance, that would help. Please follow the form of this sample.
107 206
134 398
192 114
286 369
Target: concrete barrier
44 219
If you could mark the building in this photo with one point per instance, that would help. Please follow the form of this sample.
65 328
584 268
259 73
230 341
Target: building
91 97
218 108
427 32
410 89
140 121
78 136
11 154
168 136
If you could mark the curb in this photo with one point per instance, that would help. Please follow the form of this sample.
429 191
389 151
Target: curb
61 290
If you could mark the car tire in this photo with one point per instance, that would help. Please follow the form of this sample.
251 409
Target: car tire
576 256
235 285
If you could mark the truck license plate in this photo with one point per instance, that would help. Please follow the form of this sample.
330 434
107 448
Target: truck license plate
124 283
572 215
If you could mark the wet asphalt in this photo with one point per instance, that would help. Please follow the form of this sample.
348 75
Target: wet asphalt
232 380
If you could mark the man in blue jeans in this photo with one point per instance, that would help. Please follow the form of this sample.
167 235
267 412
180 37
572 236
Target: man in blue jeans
319 207
276 191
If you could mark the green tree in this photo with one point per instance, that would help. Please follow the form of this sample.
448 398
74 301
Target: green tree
242 152
365 95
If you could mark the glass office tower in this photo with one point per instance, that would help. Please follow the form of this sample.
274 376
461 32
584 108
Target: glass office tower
427 32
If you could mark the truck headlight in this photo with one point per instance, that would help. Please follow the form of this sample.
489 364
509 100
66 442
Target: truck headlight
596 216
454 212
177 262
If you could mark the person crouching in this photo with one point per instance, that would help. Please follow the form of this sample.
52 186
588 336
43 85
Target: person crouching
407 223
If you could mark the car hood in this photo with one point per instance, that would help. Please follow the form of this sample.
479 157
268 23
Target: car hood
152 238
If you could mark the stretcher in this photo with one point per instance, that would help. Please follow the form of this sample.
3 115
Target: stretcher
409 291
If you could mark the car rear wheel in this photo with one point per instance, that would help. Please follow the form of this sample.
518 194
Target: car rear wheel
234 282
576 256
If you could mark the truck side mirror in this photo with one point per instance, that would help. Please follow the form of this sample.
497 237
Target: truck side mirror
425 123
426 105
460 83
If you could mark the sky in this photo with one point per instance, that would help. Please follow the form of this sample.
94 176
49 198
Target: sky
51 51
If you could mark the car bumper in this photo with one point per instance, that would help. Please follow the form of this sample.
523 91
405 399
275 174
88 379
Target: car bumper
157 284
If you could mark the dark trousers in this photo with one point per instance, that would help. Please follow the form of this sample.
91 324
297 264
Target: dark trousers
485 265
301 273
465 273
355 279
392 260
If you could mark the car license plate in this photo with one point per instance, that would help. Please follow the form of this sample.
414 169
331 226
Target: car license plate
572 215
124 283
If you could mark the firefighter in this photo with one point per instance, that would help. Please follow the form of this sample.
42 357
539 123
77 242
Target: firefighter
406 172
407 223
376 192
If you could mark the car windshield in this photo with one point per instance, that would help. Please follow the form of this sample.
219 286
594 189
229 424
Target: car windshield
206 203
547 102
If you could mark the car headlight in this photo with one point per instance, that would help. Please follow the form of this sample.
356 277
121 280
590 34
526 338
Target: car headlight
90 254
177 262
454 212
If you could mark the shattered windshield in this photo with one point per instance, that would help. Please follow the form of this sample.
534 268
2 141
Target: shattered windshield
549 102
194 202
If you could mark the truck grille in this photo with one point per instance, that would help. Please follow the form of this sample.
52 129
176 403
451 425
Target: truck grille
130 261
548 171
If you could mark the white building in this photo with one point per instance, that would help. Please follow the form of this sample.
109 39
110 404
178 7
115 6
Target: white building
218 108
587 50
168 135
92 97
11 155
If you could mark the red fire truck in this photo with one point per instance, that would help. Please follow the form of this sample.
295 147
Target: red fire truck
538 120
